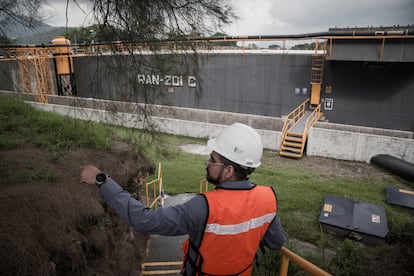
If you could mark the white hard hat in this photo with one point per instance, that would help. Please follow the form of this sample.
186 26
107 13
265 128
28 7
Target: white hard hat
240 144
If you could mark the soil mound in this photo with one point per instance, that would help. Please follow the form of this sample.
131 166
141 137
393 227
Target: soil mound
50 224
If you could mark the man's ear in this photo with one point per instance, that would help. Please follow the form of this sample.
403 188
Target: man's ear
229 172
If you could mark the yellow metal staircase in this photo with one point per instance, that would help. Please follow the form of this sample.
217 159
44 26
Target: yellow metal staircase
296 129
301 119
292 145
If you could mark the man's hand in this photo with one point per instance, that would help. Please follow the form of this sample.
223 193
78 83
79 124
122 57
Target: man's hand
88 174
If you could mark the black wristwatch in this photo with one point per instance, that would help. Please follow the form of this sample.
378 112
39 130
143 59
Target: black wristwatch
101 179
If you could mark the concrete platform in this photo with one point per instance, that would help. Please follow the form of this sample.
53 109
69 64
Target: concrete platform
166 248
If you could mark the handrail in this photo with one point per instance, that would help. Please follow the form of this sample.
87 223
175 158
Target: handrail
166 271
203 183
310 121
402 32
288 255
155 198
291 119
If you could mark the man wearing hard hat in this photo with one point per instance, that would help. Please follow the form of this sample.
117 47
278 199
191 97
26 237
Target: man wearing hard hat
226 226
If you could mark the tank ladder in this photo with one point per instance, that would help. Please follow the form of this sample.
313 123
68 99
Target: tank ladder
318 63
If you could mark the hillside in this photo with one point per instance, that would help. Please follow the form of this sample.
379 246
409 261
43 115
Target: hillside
41 37
41 34
50 224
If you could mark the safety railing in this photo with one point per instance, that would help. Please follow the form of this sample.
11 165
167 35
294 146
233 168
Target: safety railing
161 268
313 118
288 256
154 191
292 118
203 186
164 268
310 121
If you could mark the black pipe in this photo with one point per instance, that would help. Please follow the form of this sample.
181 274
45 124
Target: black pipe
380 32
395 165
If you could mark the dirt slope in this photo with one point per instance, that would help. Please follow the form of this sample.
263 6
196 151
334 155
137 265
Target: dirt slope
50 224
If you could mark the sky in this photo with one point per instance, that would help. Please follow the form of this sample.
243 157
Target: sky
274 17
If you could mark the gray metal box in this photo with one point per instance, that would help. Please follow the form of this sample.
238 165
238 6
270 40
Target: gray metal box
360 221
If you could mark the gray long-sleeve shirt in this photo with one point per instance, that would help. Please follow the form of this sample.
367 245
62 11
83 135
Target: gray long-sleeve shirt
187 218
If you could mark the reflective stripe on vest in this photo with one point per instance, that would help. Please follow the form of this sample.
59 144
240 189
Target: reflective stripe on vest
234 229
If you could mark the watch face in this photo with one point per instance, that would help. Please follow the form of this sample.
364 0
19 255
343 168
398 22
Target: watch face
100 177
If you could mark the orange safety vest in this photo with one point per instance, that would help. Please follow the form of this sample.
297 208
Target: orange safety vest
236 223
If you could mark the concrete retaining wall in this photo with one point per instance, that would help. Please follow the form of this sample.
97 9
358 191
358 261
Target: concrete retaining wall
366 130
198 129
356 146
330 143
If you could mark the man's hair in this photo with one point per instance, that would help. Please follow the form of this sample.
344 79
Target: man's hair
240 172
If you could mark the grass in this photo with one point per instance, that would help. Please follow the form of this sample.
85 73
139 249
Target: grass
300 191
181 171
20 122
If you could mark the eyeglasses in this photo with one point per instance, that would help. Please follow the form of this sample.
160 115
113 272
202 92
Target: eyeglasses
211 162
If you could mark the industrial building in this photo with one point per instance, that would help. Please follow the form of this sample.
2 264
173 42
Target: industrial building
358 77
